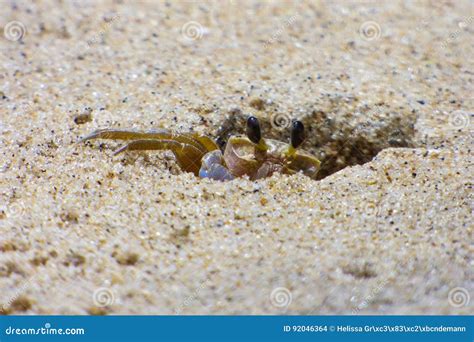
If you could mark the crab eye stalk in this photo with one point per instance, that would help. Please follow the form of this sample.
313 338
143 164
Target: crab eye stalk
296 138
255 134
253 130
297 134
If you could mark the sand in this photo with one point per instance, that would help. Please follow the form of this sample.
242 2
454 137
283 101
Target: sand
384 89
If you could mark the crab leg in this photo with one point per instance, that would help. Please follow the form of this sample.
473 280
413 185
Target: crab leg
126 134
188 156
201 142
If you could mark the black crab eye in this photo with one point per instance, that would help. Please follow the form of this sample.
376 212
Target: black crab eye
253 130
297 134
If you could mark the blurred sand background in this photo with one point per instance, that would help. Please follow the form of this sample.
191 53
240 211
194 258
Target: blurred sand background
384 88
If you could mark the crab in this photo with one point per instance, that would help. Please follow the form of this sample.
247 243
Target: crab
251 156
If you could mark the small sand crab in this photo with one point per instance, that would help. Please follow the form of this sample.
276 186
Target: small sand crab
250 156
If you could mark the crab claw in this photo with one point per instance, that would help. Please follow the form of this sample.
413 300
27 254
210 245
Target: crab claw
212 167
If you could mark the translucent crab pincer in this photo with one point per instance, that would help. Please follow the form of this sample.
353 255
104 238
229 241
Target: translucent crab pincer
251 156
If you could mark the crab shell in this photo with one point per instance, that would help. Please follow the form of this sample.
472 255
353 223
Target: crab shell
243 158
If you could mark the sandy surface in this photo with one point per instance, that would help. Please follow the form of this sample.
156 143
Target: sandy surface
387 230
